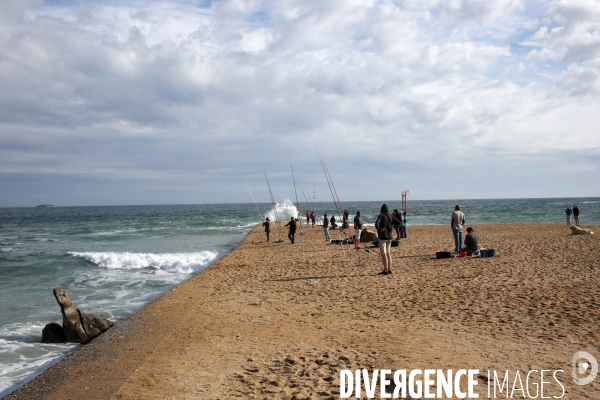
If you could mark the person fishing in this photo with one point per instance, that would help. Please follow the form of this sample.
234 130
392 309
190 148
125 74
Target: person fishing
313 217
293 225
267 225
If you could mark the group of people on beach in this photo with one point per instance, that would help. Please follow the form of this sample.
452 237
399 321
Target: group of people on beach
471 241
385 225
572 212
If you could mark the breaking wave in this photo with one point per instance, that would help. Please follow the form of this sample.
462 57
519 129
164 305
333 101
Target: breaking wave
285 210
182 263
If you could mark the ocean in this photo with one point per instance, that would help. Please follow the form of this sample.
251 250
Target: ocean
114 260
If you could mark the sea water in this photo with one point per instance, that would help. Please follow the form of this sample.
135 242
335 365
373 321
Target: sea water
114 260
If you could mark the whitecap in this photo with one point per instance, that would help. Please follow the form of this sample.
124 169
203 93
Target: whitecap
284 210
183 263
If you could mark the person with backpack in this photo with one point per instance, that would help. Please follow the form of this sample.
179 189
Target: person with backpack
569 212
383 225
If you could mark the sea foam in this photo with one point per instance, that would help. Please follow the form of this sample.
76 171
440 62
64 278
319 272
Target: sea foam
285 210
182 263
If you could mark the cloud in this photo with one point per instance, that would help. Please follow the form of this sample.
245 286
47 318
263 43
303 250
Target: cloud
187 92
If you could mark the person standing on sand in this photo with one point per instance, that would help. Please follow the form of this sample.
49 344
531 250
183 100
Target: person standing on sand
396 222
357 228
307 217
576 214
457 222
345 218
313 217
292 224
569 212
267 225
326 228
404 224
384 234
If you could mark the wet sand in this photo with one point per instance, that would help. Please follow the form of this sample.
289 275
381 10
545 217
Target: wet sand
271 321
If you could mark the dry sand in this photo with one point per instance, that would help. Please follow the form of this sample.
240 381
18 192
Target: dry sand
270 321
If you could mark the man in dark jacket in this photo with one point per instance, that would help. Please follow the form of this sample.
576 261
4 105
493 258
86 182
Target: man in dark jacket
576 214
397 222
292 224
267 225
384 234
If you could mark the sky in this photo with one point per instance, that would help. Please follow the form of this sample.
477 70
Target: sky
177 102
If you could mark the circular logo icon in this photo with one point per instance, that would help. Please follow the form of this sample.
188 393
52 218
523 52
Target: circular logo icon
583 367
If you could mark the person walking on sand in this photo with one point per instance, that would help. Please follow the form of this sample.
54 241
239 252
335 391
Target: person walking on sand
457 222
383 225
357 228
292 224
267 225
326 228
313 217
569 212
576 214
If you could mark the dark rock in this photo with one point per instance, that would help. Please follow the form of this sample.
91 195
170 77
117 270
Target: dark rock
78 326
53 333
367 236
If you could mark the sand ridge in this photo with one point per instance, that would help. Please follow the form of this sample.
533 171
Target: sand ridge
270 321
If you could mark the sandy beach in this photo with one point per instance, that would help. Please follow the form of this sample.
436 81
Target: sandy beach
271 321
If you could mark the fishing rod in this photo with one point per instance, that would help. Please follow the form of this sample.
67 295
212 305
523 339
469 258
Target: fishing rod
328 177
297 205
307 202
257 209
312 207
274 206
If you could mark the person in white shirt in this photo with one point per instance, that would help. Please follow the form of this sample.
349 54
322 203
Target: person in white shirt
457 222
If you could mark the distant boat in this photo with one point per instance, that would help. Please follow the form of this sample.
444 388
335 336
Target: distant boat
45 205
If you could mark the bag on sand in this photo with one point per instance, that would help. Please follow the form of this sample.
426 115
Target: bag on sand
442 254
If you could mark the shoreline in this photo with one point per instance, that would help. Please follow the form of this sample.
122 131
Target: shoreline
225 330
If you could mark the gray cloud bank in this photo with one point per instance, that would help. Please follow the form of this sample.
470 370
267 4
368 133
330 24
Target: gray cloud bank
173 102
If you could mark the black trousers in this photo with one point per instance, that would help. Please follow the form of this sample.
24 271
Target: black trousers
291 236
268 235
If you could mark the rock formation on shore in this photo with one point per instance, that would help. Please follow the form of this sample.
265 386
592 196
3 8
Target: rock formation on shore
77 327
367 236
53 333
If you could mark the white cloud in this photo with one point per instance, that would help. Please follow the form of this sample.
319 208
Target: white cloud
169 89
